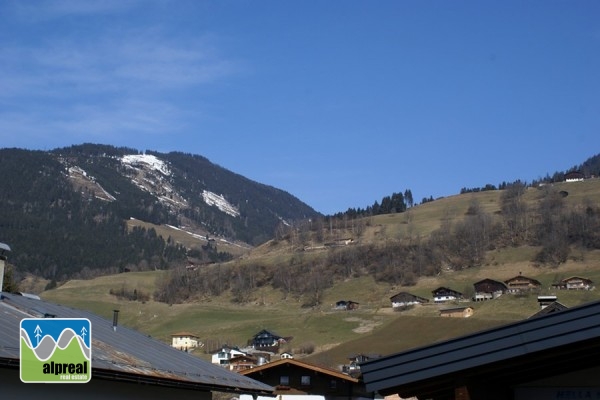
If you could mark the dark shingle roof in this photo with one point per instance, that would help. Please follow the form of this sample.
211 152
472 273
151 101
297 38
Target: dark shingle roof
122 353
537 345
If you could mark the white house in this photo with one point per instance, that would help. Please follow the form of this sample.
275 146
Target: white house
443 294
225 354
185 341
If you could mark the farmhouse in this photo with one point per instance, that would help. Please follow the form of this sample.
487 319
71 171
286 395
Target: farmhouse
443 294
125 364
553 356
488 289
185 341
574 283
405 299
295 379
574 176
522 283
457 312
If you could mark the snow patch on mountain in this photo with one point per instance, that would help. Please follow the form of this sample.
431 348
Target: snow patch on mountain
81 179
213 199
151 174
149 160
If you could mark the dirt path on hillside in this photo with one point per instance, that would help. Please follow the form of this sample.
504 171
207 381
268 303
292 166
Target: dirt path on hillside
365 325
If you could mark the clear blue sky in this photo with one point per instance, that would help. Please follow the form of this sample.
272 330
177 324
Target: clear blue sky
338 102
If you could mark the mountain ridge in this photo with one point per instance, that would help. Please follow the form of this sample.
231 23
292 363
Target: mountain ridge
54 204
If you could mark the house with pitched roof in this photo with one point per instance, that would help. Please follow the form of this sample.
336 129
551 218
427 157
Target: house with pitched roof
488 289
457 312
574 283
574 176
294 379
520 283
405 299
125 364
444 294
225 354
268 341
185 341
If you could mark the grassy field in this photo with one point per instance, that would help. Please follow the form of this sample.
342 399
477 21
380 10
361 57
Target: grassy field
189 240
374 327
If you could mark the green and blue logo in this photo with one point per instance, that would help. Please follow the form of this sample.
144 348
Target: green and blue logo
56 350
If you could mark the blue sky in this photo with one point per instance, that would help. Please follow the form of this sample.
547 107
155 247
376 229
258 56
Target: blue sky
338 102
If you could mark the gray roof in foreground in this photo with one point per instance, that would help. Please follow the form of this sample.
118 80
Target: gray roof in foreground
122 354
553 338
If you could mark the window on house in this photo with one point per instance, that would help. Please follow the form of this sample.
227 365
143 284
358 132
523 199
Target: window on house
333 384
284 380
305 380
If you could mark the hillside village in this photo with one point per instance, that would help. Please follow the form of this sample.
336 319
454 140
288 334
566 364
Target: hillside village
266 346
279 355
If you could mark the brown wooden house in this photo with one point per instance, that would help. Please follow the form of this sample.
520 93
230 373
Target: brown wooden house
488 289
242 362
444 294
457 312
405 299
574 283
522 283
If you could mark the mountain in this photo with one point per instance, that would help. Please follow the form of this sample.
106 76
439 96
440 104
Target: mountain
68 211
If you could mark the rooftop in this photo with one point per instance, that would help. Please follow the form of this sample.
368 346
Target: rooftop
122 353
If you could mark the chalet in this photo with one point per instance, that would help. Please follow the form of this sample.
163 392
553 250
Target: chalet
267 340
405 299
443 294
185 341
554 356
125 364
244 362
293 379
224 355
346 305
574 176
457 312
522 283
574 283
488 289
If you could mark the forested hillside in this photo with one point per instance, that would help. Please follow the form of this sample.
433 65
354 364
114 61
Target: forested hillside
557 221
64 212
63 224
